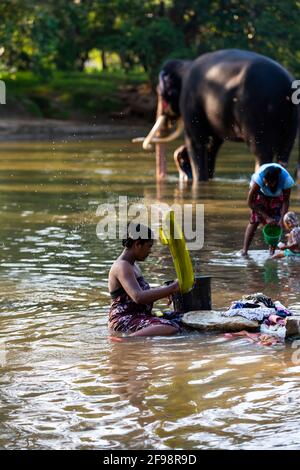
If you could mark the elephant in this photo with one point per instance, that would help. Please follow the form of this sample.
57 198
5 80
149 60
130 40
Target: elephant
226 95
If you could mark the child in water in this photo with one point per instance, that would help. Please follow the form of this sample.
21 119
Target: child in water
292 247
131 296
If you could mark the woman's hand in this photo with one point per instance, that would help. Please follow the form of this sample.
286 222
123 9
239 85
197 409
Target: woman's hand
174 288
281 246
271 221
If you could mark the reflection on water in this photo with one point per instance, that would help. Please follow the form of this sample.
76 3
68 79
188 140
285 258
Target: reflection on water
64 384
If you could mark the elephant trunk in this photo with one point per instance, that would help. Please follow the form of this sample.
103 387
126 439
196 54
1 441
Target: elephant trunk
159 135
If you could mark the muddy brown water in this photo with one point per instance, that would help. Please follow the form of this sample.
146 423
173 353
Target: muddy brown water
64 383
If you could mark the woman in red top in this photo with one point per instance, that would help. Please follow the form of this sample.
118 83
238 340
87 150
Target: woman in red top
268 199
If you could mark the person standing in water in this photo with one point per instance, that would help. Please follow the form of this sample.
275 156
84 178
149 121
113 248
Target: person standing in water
131 296
268 199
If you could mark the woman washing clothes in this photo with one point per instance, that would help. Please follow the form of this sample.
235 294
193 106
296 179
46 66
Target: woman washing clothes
268 199
131 296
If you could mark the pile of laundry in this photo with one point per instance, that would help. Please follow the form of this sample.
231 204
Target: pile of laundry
271 315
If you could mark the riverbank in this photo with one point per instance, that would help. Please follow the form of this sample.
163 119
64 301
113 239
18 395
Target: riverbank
76 105
64 95
12 129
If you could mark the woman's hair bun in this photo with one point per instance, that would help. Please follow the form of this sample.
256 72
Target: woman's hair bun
137 232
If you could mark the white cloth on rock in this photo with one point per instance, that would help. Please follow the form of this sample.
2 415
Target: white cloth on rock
257 314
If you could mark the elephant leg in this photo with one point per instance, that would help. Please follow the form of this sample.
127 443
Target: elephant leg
198 159
261 159
212 150
263 153
273 147
182 162
283 153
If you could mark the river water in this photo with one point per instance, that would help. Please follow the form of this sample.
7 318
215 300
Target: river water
64 383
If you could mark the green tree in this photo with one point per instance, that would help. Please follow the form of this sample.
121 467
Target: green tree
48 35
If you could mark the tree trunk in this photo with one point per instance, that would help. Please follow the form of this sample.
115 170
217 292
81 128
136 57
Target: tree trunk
103 58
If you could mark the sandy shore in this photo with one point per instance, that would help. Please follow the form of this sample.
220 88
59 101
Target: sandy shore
50 129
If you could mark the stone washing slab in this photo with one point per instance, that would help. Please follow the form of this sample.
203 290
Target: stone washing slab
293 326
212 320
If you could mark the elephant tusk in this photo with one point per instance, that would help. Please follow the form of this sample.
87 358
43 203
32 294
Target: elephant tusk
159 122
157 140
169 138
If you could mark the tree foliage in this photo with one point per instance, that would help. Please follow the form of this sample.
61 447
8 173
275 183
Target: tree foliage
45 36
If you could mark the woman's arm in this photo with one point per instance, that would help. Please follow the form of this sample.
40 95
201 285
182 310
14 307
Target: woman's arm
286 246
286 203
126 277
252 195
